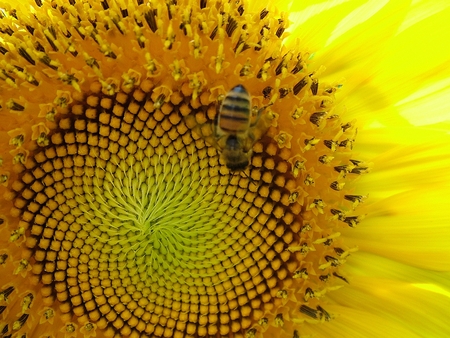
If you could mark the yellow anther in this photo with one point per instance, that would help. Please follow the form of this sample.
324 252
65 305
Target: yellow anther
170 37
298 165
26 302
297 114
19 158
309 143
109 86
131 79
3 178
177 71
318 205
16 234
293 197
70 79
23 266
93 63
17 325
263 322
9 80
279 321
196 82
326 159
300 274
63 98
251 333
14 105
152 66
263 72
309 180
345 254
284 140
70 327
48 314
196 45
324 239
303 248
337 186
356 199
282 294
17 137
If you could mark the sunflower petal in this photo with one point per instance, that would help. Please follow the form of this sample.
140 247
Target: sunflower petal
371 300
404 159
410 227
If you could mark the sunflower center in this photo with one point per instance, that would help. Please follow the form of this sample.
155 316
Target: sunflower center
133 221
152 238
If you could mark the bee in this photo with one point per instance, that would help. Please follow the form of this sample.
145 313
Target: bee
235 127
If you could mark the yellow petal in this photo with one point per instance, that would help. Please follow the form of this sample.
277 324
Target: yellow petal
410 227
403 159
364 264
369 301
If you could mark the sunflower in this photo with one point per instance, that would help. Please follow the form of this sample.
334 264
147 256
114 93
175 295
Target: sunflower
122 216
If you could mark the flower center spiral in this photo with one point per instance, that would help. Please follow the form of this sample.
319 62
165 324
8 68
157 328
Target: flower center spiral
146 234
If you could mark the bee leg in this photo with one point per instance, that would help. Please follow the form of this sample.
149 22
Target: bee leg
230 177
258 113
249 178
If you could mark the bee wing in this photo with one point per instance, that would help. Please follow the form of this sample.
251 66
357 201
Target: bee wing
209 133
205 131
248 142
257 129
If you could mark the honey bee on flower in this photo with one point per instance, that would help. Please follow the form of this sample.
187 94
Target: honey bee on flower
234 128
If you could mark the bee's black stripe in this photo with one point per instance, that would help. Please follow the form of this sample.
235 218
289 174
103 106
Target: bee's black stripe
234 108
232 131
233 117
235 125
236 98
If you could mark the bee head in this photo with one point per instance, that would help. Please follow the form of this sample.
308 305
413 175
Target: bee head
239 88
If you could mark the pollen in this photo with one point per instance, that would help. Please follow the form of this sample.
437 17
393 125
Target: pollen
119 216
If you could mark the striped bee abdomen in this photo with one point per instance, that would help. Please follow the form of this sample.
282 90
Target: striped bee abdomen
234 115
